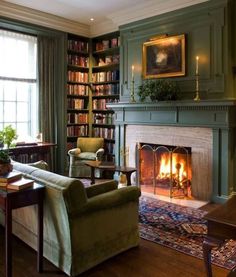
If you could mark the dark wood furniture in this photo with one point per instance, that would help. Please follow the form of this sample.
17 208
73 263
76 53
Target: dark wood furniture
111 167
221 226
32 152
9 200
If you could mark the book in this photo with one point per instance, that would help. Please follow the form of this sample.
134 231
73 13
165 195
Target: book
10 177
20 184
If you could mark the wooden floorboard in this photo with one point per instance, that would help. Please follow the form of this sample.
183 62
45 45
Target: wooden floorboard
147 260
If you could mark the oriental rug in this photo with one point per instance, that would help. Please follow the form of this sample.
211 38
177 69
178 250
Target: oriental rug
180 228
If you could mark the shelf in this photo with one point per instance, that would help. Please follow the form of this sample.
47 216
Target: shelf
77 124
74 52
77 110
78 68
102 111
108 51
105 67
114 96
105 83
109 126
78 83
77 96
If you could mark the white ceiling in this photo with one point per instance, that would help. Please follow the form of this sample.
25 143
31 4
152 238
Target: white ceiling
104 12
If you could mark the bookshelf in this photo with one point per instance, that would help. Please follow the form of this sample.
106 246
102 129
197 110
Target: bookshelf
105 88
77 90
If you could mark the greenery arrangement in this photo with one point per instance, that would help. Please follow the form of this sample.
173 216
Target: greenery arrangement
8 135
158 90
4 157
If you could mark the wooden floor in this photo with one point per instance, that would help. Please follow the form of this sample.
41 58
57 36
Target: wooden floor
147 260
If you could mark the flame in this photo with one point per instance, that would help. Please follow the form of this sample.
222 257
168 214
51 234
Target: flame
179 167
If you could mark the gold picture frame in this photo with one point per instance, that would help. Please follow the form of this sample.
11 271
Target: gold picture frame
164 57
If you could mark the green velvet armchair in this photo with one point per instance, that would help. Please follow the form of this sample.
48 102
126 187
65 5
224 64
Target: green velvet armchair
83 226
87 149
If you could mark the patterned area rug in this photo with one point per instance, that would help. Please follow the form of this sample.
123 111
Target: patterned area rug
180 228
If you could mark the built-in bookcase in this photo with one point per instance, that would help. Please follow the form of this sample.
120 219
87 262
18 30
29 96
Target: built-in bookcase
105 88
91 84
77 89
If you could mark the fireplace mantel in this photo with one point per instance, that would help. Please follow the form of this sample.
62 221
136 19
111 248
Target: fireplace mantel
205 113
219 115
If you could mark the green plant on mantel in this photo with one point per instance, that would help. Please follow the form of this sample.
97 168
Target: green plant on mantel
8 135
158 90
4 157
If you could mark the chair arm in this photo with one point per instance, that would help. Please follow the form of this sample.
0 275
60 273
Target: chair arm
108 200
74 152
101 188
99 154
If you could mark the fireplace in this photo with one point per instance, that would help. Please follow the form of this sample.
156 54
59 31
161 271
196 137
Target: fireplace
207 127
164 169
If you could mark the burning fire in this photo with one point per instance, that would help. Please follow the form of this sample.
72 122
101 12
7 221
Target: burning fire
179 167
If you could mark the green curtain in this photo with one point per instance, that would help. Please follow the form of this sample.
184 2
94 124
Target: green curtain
47 49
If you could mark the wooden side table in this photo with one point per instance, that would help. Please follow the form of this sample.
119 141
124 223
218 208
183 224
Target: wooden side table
10 200
221 226
111 167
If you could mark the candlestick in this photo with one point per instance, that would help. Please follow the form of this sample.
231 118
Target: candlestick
197 97
132 100
197 59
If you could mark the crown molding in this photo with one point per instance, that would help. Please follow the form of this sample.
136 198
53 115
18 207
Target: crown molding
104 27
21 13
149 9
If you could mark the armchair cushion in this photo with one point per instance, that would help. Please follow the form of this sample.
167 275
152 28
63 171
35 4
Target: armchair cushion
87 156
101 188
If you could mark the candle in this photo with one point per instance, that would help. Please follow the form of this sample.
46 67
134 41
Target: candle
197 59
132 75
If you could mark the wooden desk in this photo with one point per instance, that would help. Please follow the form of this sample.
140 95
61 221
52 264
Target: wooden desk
10 200
221 226
111 167
29 153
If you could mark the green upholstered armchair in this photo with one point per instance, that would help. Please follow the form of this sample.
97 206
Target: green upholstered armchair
83 226
87 149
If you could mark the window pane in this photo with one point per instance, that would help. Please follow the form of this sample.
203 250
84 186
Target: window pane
23 91
10 112
10 91
22 111
22 130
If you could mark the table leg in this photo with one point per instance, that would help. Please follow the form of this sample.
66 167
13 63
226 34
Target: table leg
40 233
128 178
8 243
92 175
208 244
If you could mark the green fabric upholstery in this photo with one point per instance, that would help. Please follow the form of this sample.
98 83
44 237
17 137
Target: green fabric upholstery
82 226
87 149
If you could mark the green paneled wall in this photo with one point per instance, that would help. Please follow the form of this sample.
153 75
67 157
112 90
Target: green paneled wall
209 32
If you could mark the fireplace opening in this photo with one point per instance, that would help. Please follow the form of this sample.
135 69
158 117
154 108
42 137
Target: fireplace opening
165 169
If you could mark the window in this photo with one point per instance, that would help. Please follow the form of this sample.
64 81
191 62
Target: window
18 83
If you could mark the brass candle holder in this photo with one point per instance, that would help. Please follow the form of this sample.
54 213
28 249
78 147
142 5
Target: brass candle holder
197 97
132 99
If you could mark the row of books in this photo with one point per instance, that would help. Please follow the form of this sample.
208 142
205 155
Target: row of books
77 131
107 89
106 76
100 104
77 89
107 133
107 43
76 103
115 59
77 118
77 76
14 181
99 118
76 45
77 60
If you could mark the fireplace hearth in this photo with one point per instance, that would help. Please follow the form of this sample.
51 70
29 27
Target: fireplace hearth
208 127
165 167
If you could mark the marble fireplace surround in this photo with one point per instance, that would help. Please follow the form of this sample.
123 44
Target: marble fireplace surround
209 127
